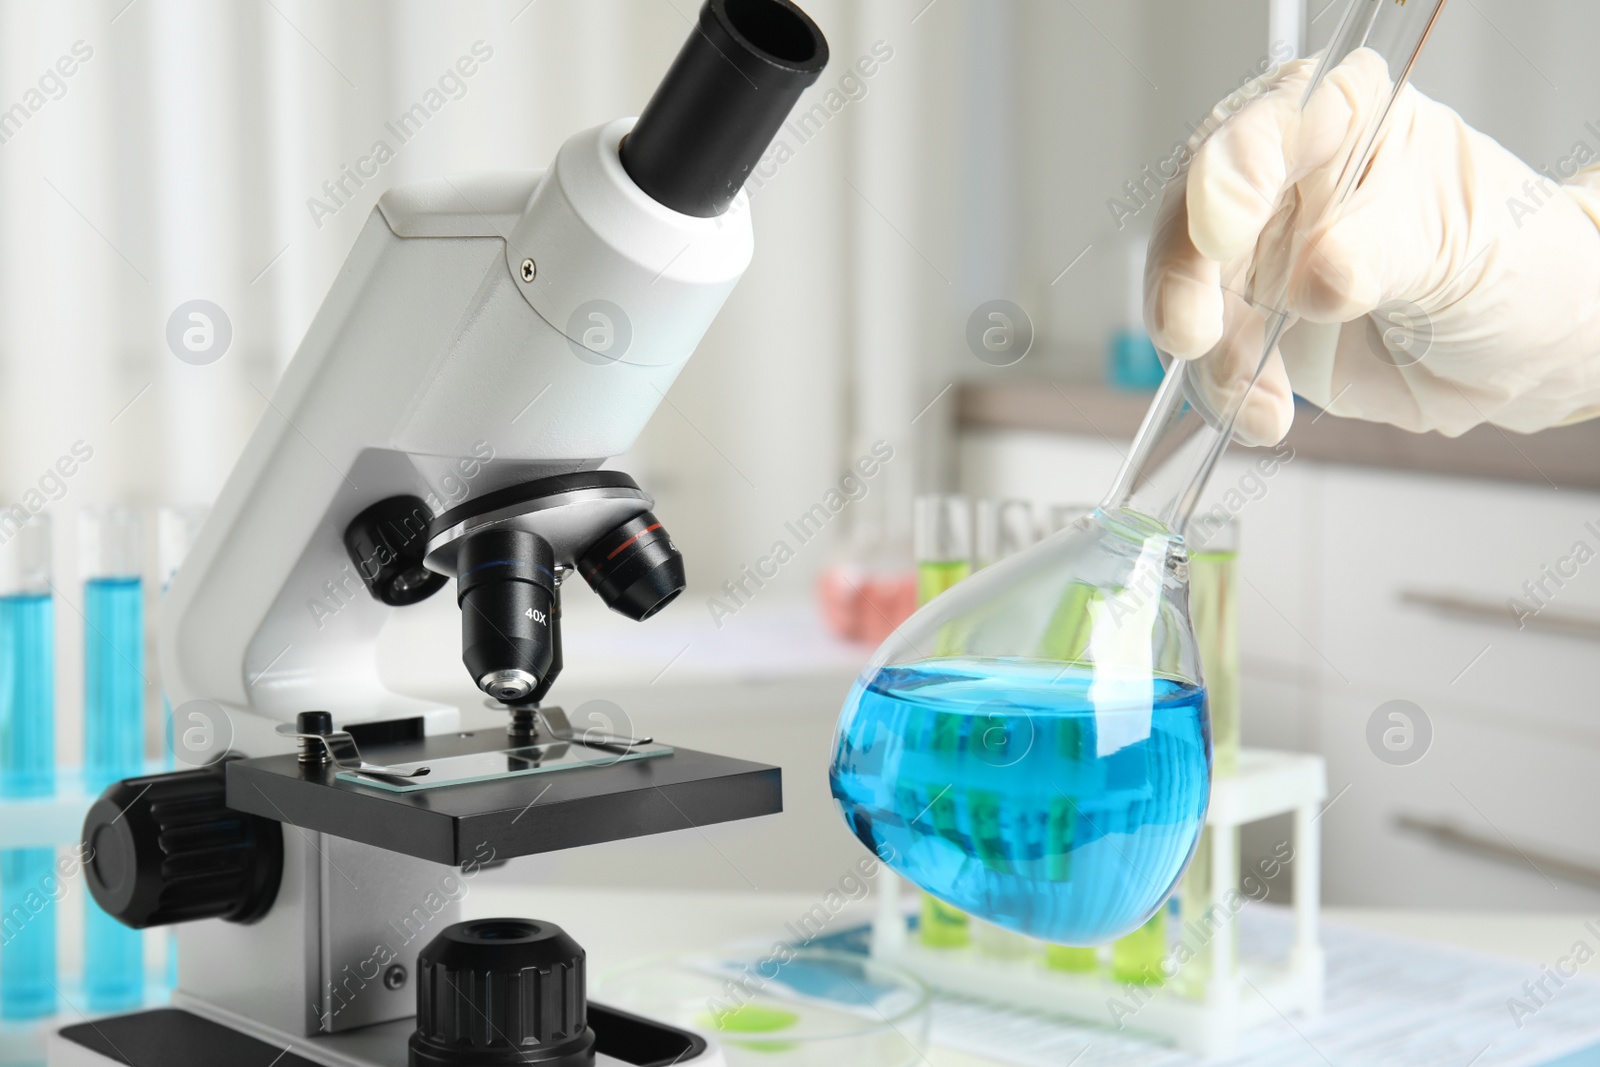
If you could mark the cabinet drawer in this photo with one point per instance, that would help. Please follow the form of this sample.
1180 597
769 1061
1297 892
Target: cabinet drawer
1389 544
1520 806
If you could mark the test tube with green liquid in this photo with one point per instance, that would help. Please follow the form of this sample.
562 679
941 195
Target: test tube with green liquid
941 544
1137 958
1002 528
1214 611
110 557
27 767
1066 639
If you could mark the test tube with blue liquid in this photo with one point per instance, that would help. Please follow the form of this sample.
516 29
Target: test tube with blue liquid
111 544
27 767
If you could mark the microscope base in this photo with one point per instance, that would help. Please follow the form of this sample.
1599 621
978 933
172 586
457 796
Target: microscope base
171 1037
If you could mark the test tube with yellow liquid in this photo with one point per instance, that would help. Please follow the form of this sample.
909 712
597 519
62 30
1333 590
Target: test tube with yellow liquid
1214 610
941 544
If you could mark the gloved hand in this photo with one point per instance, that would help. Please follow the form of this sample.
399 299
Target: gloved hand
1457 286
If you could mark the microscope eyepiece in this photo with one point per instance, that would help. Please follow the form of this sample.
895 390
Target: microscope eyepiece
722 102
506 588
636 569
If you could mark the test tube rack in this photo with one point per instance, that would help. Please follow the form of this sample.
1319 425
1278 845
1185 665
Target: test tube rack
1236 996
54 821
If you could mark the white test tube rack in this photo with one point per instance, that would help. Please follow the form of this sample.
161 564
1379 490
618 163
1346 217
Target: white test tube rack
1235 997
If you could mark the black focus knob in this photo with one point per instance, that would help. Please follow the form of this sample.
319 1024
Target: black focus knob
500 992
166 848
387 543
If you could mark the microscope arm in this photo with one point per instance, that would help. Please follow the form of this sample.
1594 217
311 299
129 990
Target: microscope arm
430 355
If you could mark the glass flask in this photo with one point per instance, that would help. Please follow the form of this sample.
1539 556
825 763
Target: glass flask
1033 746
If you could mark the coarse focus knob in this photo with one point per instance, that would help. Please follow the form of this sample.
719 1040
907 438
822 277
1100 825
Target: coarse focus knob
501 992
387 543
166 848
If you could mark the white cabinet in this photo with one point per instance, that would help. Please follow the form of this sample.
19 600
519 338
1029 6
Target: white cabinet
1515 723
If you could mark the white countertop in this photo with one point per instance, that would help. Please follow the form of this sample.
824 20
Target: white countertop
617 927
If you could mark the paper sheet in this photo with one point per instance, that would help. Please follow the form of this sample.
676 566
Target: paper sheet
1390 1002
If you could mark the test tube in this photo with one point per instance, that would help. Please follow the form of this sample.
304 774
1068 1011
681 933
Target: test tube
1005 527
1137 957
1214 611
1067 641
110 546
941 542
27 766
1064 515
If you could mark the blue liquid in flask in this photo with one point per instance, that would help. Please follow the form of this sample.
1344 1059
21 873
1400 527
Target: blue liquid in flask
28 882
113 955
1025 793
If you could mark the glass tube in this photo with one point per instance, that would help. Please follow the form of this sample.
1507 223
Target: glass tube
1004 528
941 545
941 542
27 767
1191 419
1137 958
1064 515
111 545
1214 612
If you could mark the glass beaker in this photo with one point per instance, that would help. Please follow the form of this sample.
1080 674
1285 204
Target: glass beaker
1033 747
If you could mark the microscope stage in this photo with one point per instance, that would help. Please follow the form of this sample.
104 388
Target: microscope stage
511 815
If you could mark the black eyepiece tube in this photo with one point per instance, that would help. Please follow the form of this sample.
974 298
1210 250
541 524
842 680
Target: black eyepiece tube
721 103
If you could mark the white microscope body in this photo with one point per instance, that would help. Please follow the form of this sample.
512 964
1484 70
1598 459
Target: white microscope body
511 327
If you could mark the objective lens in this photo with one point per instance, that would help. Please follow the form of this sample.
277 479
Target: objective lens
635 568
505 583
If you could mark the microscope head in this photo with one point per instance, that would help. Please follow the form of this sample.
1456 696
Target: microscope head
713 115
464 325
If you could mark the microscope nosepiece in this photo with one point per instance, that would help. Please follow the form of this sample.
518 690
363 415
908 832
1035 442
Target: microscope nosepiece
505 586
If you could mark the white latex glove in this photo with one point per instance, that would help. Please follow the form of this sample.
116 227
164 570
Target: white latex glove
1458 286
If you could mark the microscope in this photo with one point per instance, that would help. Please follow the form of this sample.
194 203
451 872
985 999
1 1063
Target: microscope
315 865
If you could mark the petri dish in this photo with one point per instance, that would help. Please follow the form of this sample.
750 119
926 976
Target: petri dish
804 1008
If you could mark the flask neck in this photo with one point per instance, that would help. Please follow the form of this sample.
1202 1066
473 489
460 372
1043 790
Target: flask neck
1183 435
1170 461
